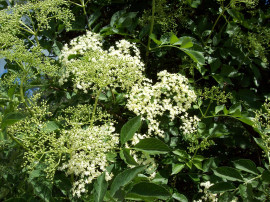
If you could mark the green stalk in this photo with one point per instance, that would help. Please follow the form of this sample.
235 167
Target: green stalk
221 14
17 141
95 108
151 29
85 13
22 97
204 115
213 28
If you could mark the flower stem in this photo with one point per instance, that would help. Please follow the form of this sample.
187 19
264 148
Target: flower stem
22 97
17 141
95 108
83 5
151 30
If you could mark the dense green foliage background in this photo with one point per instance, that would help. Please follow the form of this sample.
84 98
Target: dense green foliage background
220 46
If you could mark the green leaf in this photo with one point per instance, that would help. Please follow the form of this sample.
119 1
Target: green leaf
173 39
11 118
195 55
246 191
181 153
93 17
208 164
116 16
261 143
226 197
184 42
221 187
100 188
57 46
219 108
165 38
189 164
235 109
218 130
62 182
246 165
150 190
125 153
198 158
128 20
215 65
124 178
266 176
136 197
225 110
228 173
50 126
152 145
111 156
176 168
236 15
246 120
154 38
42 186
232 28
129 129
180 197
197 164
11 92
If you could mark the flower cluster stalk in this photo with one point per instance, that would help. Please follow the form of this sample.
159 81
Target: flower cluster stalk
151 30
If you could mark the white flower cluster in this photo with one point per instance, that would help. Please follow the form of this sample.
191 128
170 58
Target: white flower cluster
207 195
80 45
88 148
189 124
172 94
93 67
137 137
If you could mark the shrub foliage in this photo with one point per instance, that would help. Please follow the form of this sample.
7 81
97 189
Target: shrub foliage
128 100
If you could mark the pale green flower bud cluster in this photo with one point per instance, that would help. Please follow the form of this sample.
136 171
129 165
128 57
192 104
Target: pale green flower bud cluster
172 94
262 122
215 94
40 144
79 149
30 17
262 118
42 11
82 114
95 68
248 3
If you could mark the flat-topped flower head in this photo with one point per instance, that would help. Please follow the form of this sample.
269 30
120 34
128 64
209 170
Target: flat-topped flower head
93 67
171 95
88 149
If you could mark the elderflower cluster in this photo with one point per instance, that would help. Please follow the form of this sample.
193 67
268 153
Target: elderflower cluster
172 94
90 66
189 124
208 196
87 150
